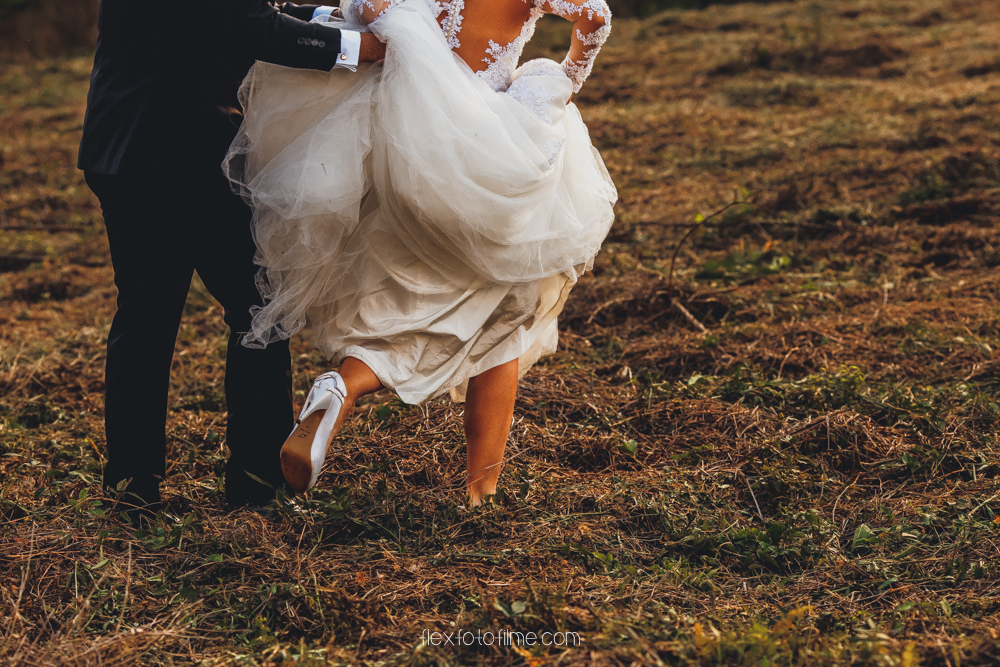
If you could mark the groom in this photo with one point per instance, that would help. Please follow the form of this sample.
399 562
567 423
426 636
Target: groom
161 113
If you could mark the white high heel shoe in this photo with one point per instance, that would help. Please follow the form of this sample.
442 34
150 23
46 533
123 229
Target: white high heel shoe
304 451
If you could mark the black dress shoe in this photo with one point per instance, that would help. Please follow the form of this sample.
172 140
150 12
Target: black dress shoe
136 510
244 489
136 503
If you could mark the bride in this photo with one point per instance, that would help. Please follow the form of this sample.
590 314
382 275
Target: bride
425 219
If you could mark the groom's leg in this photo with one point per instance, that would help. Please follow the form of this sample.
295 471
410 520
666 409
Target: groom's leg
152 277
258 382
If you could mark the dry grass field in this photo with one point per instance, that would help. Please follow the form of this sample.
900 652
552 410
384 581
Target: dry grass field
770 436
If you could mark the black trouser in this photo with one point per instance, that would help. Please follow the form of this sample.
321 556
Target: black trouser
160 231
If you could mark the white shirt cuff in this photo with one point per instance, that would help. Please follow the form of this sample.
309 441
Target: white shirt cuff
350 49
325 10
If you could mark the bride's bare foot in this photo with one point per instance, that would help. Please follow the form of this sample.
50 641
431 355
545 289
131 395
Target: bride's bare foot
477 493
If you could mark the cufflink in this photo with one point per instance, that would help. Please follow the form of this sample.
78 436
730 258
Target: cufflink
343 56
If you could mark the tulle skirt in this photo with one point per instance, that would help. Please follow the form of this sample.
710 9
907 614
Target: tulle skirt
412 217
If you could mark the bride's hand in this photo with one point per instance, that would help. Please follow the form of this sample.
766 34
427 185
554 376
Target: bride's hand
372 50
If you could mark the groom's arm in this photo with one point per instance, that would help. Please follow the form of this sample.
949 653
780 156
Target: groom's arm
365 49
277 36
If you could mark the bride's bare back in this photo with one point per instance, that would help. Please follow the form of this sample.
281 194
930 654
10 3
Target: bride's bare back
489 35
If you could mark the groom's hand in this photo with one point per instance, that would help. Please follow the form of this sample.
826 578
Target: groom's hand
372 50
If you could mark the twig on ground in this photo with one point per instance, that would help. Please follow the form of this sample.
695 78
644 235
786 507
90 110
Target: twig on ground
687 314
698 224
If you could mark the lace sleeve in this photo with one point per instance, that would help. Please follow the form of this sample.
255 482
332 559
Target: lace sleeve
363 12
591 27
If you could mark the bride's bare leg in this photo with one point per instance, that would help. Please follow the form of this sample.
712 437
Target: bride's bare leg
360 380
489 406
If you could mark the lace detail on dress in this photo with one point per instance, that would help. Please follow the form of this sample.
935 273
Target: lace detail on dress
579 71
592 21
538 99
502 60
567 8
452 24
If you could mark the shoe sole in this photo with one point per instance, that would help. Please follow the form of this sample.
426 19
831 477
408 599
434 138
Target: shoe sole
296 453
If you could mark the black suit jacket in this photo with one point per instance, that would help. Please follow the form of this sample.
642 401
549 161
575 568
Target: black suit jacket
163 92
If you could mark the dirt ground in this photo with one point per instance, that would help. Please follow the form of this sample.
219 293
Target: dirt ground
769 436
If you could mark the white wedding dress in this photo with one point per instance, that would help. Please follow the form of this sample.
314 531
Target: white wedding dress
424 218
